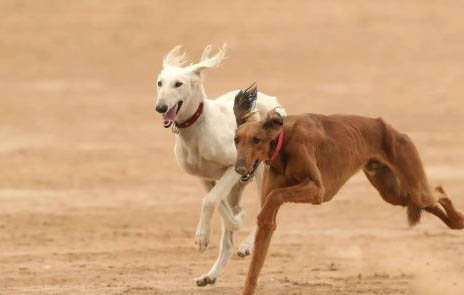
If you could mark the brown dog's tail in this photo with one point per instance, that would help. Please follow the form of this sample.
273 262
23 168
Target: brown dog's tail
414 214
443 209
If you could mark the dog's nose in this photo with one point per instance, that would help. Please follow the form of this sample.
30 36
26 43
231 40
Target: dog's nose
240 166
161 108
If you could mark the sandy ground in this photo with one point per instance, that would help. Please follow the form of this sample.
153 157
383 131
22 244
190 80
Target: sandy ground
92 201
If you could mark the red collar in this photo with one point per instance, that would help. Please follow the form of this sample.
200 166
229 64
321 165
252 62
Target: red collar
274 155
192 119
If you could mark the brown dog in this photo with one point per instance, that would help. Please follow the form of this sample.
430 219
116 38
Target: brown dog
311 156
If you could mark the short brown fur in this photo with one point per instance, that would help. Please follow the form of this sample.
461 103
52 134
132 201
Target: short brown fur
319 154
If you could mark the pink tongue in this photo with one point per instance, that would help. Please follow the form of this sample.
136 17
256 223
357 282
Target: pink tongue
171 114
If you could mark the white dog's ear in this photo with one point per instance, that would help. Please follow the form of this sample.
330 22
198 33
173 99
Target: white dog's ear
207 61
245 104
174 58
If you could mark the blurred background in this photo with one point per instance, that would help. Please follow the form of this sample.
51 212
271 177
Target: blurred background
93 202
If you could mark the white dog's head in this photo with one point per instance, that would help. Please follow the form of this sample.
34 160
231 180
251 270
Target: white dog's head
180 89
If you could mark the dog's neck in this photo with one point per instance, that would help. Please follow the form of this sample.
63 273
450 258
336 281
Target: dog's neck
191 104
280 161
275 146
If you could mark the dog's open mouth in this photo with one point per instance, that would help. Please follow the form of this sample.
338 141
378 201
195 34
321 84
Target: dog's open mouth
249 175
170 116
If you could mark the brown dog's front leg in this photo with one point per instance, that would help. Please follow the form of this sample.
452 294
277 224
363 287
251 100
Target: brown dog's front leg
262 240
305 192
266 228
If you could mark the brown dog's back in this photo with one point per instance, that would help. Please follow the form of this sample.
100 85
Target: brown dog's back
341 144
319 154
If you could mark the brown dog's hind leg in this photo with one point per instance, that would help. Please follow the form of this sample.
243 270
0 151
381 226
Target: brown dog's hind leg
406 167
405 161
390 189
455 219
386 183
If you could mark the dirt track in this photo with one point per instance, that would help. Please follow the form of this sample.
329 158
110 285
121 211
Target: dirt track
92 201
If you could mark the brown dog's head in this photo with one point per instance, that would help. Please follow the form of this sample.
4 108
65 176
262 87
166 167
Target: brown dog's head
254 139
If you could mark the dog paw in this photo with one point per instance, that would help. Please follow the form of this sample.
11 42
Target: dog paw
244 250
205 280
201 241
202 238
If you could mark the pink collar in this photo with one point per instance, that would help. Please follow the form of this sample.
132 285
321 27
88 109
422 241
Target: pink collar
274 155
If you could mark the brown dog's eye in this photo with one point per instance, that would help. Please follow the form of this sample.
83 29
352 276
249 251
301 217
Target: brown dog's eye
236 140
256 140
178 84
160 83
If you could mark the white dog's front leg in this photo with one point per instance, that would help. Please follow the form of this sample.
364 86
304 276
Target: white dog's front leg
218 192
231 221
204 228
225 252
247 245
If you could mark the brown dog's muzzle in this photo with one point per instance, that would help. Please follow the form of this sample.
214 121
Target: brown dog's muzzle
240 166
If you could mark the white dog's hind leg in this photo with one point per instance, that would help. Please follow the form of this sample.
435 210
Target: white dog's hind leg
216 195
225 252
246 246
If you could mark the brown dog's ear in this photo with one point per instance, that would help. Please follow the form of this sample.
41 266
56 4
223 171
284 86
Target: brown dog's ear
244 105
273 121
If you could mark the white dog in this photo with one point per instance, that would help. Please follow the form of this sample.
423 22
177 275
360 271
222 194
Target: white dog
205 148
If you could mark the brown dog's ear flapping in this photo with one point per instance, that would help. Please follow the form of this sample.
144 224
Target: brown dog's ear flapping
244 105
273 122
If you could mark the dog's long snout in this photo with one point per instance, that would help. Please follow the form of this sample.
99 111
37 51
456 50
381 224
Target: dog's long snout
161 107
240 166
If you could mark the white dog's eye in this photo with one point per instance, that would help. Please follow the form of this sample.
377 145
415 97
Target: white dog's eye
178 84
160 83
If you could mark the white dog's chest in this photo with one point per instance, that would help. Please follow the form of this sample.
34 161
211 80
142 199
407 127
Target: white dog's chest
194 164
